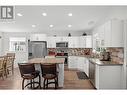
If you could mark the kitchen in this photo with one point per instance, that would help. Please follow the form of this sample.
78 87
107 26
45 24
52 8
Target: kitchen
98 50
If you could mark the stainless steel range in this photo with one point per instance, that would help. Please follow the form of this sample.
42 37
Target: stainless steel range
63 55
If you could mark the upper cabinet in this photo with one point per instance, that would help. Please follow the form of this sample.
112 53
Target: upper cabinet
110 34
88 42
38 37
82 42
51 42
73 42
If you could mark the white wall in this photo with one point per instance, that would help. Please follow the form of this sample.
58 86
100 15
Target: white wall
20 56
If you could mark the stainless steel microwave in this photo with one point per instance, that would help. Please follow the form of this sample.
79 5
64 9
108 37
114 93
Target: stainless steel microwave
62 44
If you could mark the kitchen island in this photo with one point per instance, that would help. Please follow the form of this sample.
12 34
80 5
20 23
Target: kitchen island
58 61
105 74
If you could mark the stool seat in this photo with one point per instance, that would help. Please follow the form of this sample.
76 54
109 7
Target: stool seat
49 76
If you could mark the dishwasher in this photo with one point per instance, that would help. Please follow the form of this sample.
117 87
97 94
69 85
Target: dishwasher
92 68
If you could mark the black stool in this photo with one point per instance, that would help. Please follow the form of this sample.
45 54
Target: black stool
49 72
28 72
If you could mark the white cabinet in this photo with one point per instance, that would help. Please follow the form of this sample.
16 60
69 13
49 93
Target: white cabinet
82 42
62 39
72 62
51 42
80 63
38 37
88 42
73 42
111 34
105 76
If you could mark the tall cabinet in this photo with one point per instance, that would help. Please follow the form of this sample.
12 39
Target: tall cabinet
109 34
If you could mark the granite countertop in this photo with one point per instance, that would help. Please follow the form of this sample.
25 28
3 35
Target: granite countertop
87 56
98 62
47 60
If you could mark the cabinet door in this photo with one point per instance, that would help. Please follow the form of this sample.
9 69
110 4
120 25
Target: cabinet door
102 35
51 42
117 33
107 41
81 64
76 42
72 62
88 41
82 42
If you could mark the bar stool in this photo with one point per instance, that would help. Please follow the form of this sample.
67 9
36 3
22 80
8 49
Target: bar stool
28 72
49 72
10 67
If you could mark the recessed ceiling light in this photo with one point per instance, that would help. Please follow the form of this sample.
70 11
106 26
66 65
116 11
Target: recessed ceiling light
69 25
33 26
19 14
70 14
91 22
44 14
51 25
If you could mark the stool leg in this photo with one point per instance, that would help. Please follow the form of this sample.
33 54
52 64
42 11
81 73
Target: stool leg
44 83
40 81
55 83
23 83
47 84
33 83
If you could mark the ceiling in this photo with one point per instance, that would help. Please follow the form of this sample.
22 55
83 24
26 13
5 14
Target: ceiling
83 19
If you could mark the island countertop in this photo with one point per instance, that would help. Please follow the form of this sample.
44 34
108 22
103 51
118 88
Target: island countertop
47 60
103 63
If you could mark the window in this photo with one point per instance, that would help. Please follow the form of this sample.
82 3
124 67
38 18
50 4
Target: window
17 44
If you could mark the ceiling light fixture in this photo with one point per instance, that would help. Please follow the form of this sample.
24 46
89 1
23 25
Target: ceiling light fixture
51 25
19 14
44 14
70 14
91 22
33 26
69 26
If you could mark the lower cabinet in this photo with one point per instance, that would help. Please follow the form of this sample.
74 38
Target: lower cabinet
79 63
72 62
105 76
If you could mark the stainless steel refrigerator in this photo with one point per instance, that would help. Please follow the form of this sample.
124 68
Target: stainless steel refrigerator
37 49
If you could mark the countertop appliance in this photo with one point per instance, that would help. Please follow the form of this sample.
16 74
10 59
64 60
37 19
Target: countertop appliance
37 49
61 44
105 56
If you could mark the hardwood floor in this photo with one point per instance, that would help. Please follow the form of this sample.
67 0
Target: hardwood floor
71 81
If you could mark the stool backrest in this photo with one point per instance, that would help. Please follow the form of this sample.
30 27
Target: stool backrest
26 68
48 69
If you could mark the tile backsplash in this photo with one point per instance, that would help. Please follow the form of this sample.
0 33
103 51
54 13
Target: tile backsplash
72 51
116 54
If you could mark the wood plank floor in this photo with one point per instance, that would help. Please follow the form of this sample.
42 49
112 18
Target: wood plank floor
71 81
